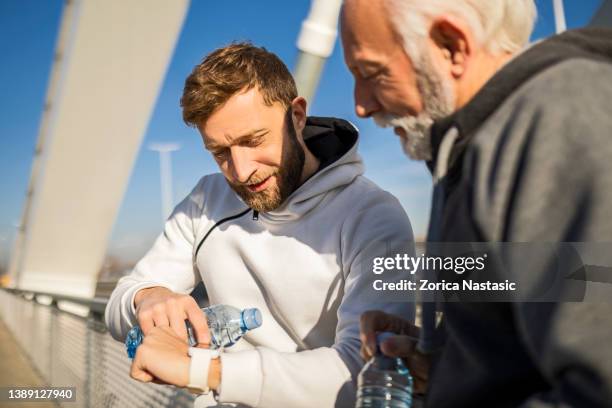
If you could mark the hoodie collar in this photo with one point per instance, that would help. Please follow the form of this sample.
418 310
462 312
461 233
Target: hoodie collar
334 142
590 43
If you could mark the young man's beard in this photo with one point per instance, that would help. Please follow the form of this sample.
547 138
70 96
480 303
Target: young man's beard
438 102
288 177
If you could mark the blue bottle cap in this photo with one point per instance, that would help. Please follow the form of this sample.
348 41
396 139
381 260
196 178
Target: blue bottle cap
251 318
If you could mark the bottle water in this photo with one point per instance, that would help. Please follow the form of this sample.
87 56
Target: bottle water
226 325
384 382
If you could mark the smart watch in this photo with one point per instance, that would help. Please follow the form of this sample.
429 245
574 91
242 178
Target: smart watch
198 369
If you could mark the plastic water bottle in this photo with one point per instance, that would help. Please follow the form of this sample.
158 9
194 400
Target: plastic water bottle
384 382
226 325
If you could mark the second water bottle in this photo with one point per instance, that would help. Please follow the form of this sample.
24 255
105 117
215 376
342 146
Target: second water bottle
384 382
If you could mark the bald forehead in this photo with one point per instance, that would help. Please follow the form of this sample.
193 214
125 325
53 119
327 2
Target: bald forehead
365 24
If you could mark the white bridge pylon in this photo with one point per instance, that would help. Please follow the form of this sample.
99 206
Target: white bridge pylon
111 59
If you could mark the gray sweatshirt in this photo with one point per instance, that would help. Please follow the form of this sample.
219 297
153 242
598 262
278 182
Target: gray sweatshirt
531 162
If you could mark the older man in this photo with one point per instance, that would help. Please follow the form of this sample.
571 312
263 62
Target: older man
518 143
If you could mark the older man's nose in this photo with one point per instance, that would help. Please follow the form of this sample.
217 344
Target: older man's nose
365 100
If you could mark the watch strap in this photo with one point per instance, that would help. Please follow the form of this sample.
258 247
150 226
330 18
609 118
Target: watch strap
199 368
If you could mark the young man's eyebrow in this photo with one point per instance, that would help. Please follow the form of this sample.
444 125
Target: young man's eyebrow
238 140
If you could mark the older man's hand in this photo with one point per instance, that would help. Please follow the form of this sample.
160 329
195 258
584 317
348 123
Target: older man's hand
403 345
162 358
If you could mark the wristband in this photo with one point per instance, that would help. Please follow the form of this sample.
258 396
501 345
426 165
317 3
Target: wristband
198 369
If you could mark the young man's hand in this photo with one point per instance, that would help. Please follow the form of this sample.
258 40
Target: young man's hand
163 358
160 307
403 345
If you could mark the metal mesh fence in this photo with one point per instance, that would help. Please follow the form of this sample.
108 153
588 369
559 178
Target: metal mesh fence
74 351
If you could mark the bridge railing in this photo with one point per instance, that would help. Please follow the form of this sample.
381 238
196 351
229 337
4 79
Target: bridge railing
67 342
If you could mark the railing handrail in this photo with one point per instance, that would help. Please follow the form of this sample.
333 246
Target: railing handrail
95 304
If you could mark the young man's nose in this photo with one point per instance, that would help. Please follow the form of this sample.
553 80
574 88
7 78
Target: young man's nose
366 103
242 164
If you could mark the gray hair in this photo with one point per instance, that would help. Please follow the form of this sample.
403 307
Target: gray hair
499 25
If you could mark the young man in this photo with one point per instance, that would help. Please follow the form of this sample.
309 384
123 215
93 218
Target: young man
519 147
289 226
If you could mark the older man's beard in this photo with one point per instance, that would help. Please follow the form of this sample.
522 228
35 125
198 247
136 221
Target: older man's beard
288 177
438 102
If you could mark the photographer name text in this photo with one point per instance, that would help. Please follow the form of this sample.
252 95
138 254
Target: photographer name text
429 285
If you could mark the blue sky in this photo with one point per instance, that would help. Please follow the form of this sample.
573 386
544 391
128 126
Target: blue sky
28 30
